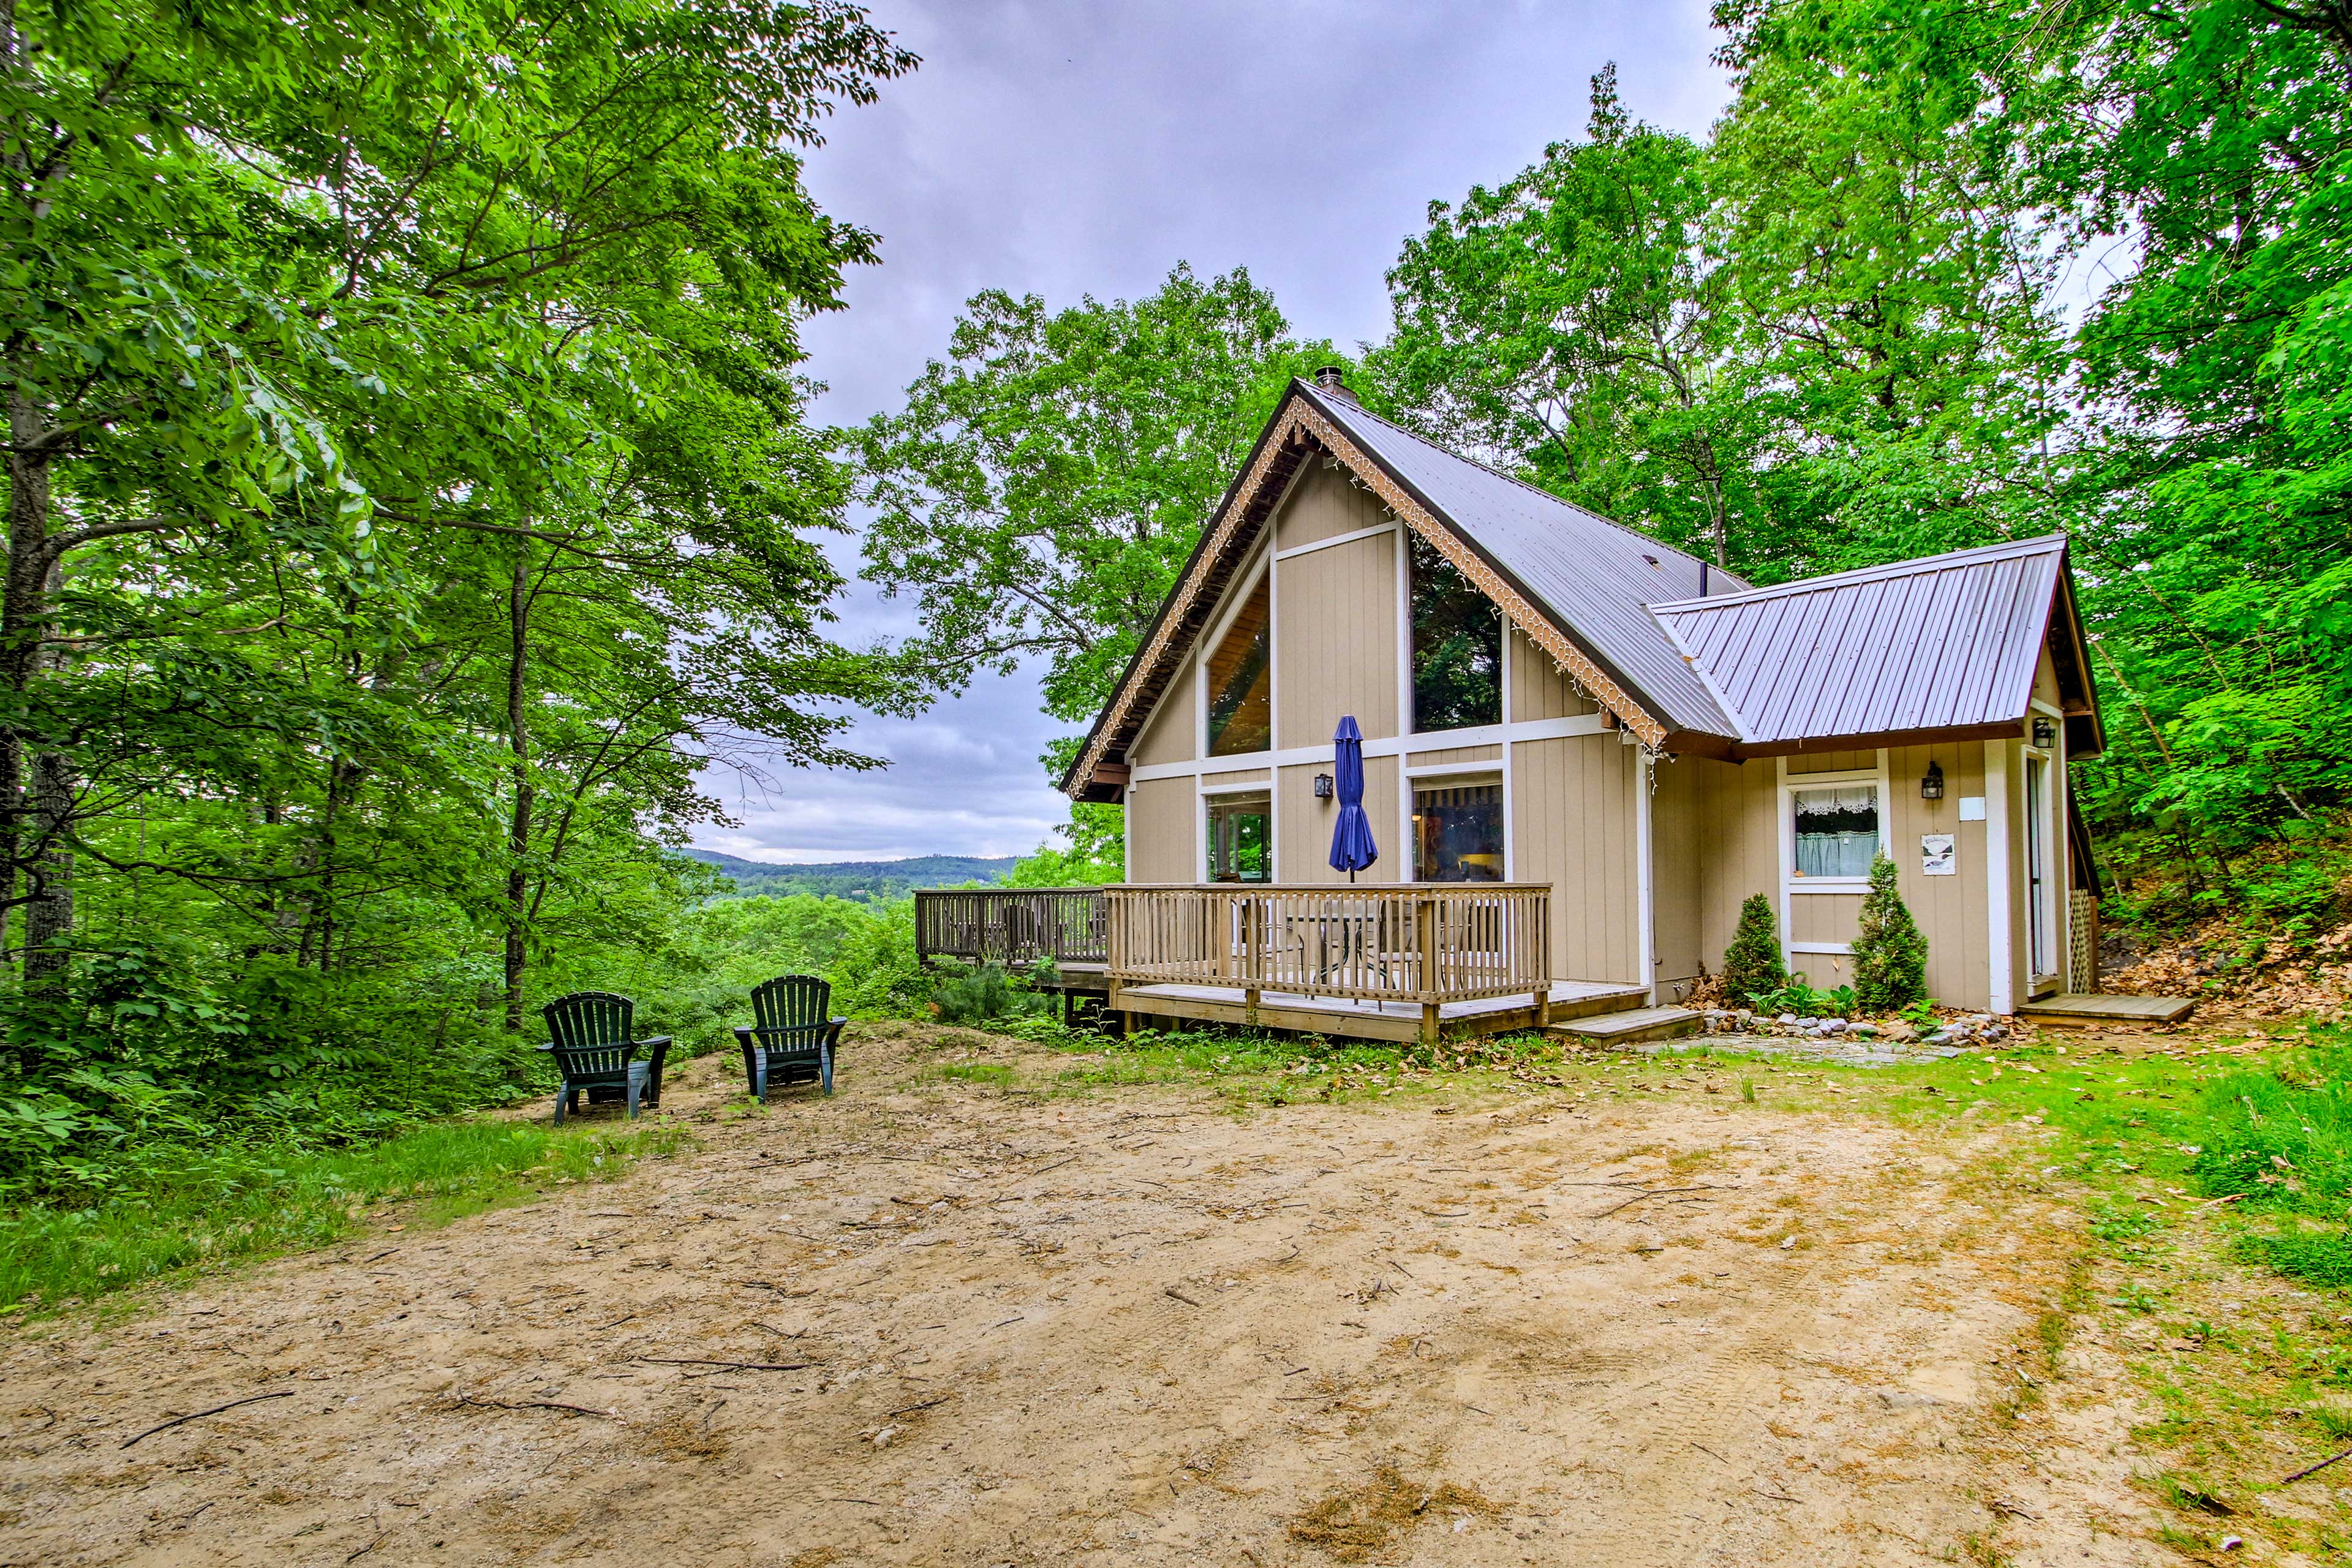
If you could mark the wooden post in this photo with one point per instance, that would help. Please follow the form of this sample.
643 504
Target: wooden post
1543 1006
1424 911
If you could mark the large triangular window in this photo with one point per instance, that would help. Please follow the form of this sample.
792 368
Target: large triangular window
1241 682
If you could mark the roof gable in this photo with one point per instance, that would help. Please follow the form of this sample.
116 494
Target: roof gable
1946 644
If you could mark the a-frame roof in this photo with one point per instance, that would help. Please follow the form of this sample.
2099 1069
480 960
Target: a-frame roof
1613 607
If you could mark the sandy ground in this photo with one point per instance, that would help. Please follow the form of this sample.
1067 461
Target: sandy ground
1127 1327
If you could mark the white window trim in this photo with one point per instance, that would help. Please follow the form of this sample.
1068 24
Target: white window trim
1245 786
1790 784
1475 773
1336 540
2053 907
1387 746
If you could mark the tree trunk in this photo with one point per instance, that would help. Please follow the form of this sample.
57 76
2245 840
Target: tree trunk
45 804
518 828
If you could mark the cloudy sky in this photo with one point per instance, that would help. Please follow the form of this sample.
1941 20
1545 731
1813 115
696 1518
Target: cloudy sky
1062 148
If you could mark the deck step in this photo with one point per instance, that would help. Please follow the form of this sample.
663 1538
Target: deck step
1598 999
2094 1007
1625 1028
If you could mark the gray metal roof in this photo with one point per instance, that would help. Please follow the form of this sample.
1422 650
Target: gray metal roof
1595 576
1945 643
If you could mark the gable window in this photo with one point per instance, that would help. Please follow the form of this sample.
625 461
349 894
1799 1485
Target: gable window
1241 840
1240 684
1457 647
1457 831
1836 829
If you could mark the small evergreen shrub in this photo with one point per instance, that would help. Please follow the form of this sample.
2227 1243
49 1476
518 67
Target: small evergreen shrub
1751 964
981 996
1890 956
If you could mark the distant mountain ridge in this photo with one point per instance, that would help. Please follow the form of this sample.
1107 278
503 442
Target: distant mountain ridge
871 881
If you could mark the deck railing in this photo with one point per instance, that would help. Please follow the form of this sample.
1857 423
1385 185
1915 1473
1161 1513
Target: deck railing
1014 926
1426 942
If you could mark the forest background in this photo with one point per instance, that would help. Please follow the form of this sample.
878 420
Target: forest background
411 485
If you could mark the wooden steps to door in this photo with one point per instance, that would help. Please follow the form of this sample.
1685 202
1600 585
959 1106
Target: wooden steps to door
2089 1009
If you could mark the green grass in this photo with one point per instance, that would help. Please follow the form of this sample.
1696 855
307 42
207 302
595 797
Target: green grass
248 1203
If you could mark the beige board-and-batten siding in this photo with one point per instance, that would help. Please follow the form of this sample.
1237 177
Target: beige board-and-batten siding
1335 642
1469 759
1168 736
1303 825
1951 912
1573 818
1322 504
1539 689
1161 833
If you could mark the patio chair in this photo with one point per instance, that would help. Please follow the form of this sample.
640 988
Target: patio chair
790 1039
591 1035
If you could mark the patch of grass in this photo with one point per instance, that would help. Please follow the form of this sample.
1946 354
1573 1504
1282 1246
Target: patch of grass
997 1073
238 1203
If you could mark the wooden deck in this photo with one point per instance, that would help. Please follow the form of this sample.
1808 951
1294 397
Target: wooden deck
1355 1018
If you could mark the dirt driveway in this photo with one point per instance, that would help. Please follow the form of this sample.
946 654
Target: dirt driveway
1128 1327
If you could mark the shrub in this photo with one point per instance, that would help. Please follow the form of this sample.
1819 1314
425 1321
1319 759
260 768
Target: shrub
1751 964
980 997
1890 956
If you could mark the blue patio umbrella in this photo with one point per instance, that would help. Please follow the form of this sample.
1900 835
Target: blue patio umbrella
1352 849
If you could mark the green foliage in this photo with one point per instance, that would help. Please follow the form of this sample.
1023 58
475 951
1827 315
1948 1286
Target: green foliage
980 994
241 1200
1796 995
408 416
866 881
1921 1014
1093 852
1045 481
1752 962
2279 1144
1890 955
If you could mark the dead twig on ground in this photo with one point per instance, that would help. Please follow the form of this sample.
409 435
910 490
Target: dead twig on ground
200 1414
2314 1469
466 1401
926 1404
1179 1295
1653 1192
739 1366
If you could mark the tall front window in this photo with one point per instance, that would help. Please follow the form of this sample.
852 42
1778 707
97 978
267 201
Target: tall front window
1240 685
1240 839
1457 647
1457 832
1837 829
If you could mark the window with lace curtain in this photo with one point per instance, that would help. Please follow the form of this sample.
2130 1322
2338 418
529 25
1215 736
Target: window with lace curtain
1836 829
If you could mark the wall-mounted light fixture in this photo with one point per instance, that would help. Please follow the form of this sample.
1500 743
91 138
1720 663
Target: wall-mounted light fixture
1322 786
2044 731
1931 786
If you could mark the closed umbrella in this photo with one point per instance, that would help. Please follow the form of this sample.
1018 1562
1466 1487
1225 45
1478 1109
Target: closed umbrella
1352 849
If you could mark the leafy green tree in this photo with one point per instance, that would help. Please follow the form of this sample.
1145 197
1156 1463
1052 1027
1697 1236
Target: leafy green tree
1751 964
1092 851
1890 955
1044 481
1572 320
409 490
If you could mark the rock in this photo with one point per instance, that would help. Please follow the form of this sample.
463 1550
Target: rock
1786 1020
1744 1018
882 1438
1834 1025
1867 1031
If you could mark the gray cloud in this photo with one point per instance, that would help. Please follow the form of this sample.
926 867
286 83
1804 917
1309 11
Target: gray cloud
1068 148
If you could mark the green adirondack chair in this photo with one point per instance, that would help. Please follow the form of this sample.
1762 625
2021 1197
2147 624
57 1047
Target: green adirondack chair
790 1039
591 1035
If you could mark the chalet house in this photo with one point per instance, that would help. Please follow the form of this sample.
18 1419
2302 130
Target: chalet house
1583 751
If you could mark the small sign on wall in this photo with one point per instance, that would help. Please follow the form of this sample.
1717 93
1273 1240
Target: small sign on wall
1972 809
1937 857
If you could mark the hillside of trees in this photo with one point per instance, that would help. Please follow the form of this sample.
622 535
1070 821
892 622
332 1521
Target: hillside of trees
871 881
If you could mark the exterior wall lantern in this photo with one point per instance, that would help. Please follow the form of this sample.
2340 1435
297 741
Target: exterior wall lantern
2044 731
1322 786
1931 787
